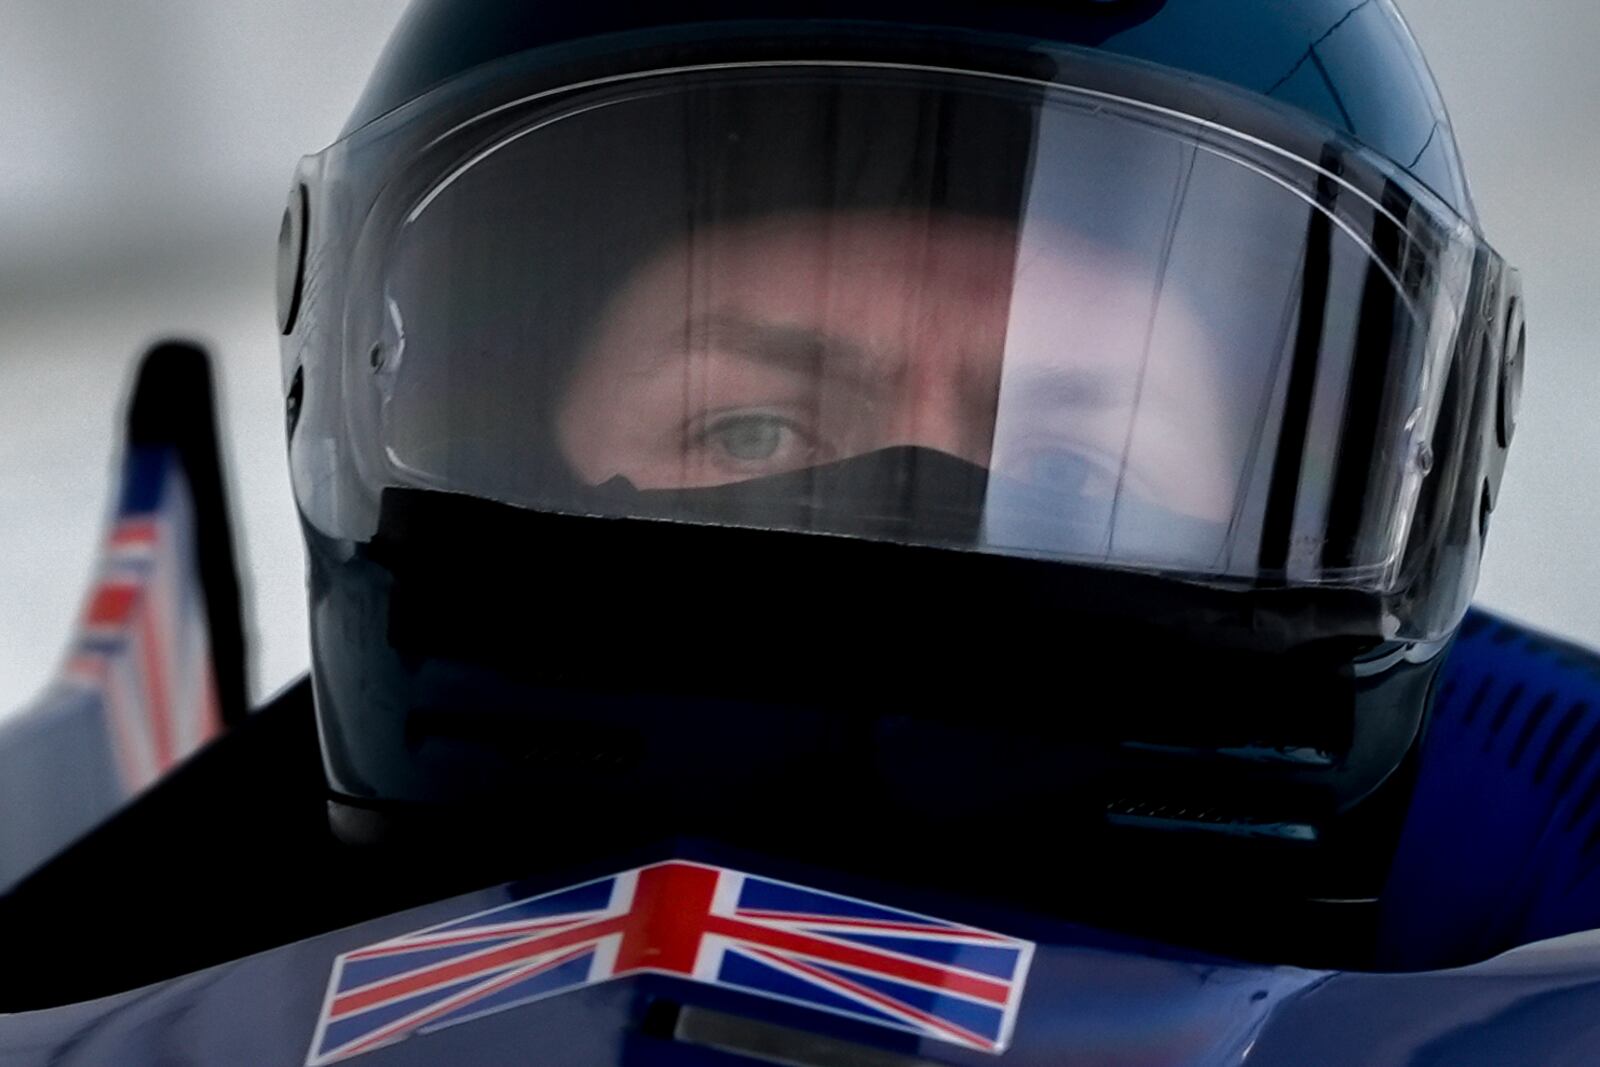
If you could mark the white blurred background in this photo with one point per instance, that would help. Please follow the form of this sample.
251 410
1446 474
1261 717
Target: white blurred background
146 147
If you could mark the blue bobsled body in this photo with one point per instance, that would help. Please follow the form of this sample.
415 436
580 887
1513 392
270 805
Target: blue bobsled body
1088 998
1496 854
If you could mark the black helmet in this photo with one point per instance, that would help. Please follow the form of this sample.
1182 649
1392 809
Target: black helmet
869 415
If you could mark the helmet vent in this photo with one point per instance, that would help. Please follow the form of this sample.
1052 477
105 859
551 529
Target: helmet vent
1557 740
1502 714
1530 723
1479 695
1177 816
1581 755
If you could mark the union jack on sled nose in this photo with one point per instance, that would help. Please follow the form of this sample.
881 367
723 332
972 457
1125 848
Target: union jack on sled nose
937 979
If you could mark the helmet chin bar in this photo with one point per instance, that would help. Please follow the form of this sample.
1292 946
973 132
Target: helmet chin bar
480 668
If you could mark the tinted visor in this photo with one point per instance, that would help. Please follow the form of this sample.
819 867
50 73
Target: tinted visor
1015 318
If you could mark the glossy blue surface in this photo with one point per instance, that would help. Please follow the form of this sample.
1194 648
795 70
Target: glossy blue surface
1350 63
1502 842
1497 853
1090 998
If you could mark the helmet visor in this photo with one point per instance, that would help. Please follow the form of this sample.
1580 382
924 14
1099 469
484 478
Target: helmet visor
1008 317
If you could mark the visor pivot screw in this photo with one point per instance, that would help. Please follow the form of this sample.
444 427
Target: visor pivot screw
1422 458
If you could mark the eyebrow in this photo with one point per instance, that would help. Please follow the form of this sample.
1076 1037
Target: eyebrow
802 350
809 352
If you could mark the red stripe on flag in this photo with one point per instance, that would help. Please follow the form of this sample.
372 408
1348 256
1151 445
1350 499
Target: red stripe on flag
888 1003
867 925
667 924
87 667
112 603
159 704
467 967
446 940
124 742
460 1000
862 958
136 532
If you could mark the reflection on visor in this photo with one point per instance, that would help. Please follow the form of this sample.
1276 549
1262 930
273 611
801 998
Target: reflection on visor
736 283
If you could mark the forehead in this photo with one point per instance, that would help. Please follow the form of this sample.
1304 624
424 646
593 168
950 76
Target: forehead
1042 292
838 262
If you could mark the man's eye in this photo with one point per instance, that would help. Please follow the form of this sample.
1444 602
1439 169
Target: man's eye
749 437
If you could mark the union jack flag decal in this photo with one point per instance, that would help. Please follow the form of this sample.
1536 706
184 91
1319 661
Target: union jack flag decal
836 954
142 644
